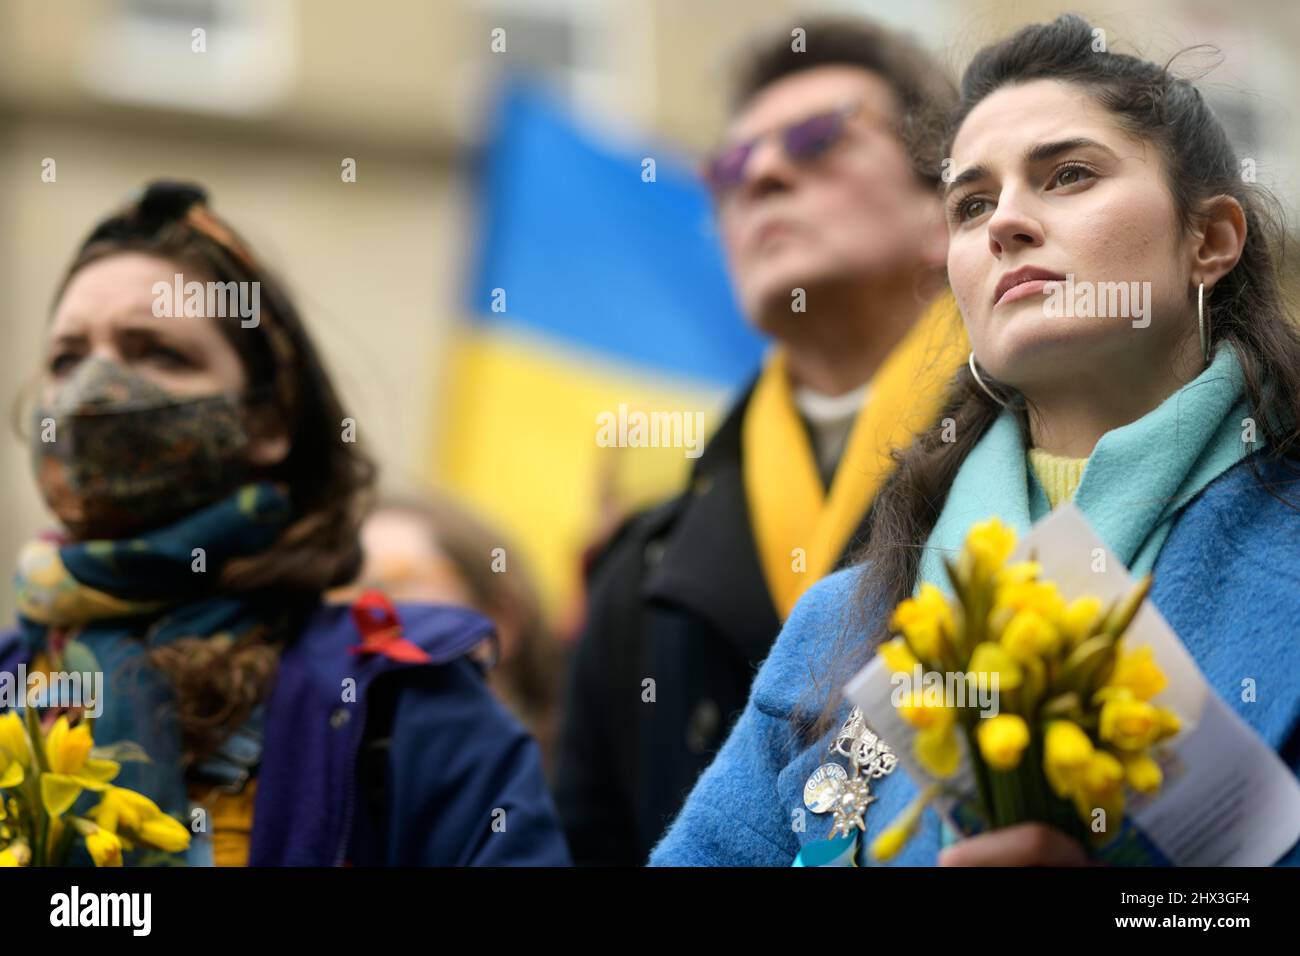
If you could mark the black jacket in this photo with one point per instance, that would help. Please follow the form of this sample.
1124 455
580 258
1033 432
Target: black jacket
676 598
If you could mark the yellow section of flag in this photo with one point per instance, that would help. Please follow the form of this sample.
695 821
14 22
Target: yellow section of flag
552 445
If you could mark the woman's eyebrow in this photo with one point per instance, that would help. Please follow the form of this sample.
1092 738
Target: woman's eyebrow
1035 154
966 176
66 339
146 334
1046 151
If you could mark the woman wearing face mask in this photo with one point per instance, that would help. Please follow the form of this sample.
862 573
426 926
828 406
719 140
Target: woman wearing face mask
1173 427
210 491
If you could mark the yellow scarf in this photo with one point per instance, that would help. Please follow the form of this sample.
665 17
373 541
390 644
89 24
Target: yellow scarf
799 530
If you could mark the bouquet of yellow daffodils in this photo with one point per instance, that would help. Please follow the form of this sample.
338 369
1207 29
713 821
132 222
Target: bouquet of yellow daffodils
1074 721
41 776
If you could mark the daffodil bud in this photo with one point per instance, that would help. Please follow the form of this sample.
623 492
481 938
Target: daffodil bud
1067 751
1101 787
1080 619
1138 671
1142 773
105 848
898 657
1030 634
988 546
1129 724
17 853
991 665
937 750
13 739
1002 740
892 839
927 623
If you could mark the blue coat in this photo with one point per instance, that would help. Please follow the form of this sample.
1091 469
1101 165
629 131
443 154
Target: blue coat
1227 580
456 757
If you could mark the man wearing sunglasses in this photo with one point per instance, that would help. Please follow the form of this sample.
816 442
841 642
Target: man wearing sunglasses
825 189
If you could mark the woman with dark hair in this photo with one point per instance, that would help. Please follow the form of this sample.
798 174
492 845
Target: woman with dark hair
1173 424
210 488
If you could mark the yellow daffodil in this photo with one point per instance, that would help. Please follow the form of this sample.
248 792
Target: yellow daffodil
889 843
120 807
66 764
164 833
926 622
992 666
17 853
1067 751
891 840
105 848
1018 573
72 769
11 771
1040 596
1142 772
134 815
898 657
1076 696
988 545
13 740
922 714
1101 786
1138 672
936 749
1029 634
15 753
1002 739
68 748
1034 681
935 746
1080 617
1130 724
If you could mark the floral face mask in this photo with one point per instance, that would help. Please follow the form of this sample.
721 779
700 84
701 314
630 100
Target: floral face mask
115 454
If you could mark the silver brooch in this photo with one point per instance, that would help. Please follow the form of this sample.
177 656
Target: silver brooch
831 787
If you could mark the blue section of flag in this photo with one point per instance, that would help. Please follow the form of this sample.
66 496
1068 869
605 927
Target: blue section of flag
590 255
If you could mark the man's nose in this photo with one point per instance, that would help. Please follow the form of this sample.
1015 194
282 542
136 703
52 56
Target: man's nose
769 169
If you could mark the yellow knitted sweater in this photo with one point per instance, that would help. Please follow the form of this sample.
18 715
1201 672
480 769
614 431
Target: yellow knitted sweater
1058 475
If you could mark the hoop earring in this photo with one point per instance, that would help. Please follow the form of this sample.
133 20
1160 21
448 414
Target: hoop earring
1200 323
970 362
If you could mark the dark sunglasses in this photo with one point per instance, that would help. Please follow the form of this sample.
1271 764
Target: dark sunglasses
803 140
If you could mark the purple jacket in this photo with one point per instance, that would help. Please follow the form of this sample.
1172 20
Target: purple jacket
462 781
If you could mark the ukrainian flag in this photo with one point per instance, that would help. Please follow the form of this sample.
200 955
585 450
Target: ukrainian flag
599 290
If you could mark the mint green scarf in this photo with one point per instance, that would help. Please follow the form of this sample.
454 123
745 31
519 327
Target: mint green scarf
1135 482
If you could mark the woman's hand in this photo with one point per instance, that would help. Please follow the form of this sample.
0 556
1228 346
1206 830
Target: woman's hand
1025 844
